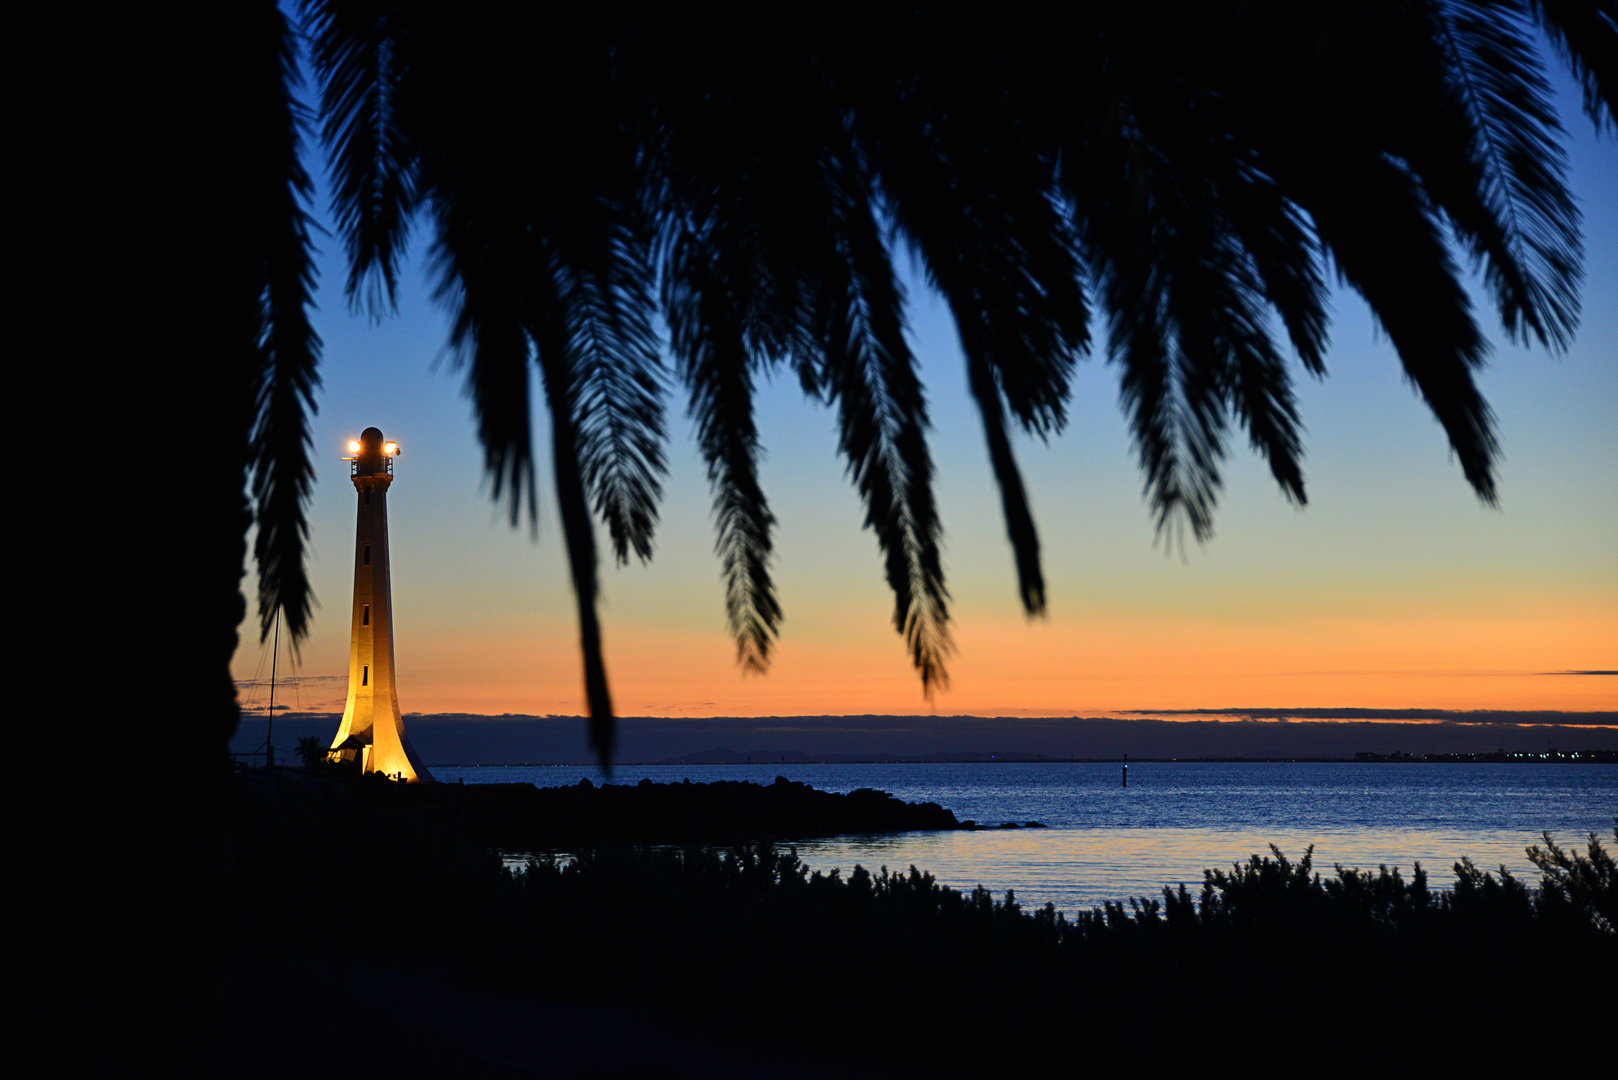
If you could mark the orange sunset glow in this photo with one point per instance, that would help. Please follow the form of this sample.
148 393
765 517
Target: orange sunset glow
1008 667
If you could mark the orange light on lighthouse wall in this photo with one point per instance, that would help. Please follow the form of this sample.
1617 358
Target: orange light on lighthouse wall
372 729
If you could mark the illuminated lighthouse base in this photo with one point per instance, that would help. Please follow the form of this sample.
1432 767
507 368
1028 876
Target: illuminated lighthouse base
372 733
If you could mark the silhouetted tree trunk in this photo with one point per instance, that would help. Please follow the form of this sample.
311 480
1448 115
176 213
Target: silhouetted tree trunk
139 142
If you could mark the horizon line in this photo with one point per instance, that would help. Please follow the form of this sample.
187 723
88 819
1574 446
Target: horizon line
1580 718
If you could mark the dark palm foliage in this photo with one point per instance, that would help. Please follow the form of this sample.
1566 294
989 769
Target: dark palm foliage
1192 173
160 277
158 349
286 358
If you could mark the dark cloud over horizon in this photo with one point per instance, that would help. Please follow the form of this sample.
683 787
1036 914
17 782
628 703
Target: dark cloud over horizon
1457 716
515 739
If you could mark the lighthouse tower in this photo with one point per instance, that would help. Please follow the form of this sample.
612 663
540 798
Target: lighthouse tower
373 728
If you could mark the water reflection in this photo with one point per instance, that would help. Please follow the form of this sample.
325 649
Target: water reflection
1079 868
1107 842
1319 797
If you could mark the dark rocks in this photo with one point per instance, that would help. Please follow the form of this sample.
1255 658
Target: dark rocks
524 816
973 826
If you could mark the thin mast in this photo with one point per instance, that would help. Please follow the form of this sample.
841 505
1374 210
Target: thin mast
269 734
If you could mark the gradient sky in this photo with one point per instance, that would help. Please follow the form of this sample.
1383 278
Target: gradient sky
1394 588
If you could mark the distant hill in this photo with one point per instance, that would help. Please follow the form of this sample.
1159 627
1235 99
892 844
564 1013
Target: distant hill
461 739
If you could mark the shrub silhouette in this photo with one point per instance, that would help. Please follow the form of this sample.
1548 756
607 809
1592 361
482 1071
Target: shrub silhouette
898 970
1579 888
312 752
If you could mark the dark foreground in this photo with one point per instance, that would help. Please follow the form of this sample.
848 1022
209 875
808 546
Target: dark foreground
365 941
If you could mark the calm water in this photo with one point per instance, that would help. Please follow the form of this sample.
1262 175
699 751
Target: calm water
1106 842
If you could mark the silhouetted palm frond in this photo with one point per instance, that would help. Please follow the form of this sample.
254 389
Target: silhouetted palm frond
1512 207
289 348
485 284
969 188
618 396
548 327
1584 34
1418 301
870 374
374 192
714 361
1193 172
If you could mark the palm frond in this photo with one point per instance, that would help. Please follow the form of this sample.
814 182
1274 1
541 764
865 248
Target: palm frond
1377 182
1216 304
1150 225
715 364
289 356
985 229
618 402
353 47
1513 208
1584 34
871 375
1215 294
1014 507
1140 340
485 283
1417 299
979 211
1190 170
1281 244
547 326
1262 391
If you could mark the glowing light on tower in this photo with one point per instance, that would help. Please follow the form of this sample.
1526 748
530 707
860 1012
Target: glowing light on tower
373 727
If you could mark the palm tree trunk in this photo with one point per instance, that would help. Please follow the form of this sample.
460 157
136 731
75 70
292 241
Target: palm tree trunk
131 305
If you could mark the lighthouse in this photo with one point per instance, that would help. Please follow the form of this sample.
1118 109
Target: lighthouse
373 728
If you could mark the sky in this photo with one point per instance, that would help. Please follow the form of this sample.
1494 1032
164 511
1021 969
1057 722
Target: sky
1394 588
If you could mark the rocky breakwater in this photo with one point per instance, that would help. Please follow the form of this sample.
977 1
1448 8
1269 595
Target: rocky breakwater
518 816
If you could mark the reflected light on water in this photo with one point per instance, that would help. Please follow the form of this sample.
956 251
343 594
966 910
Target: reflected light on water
1079 868
1108 842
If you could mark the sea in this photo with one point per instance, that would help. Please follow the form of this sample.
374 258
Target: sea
1105 840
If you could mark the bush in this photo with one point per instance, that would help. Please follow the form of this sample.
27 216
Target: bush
921 977
312 752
